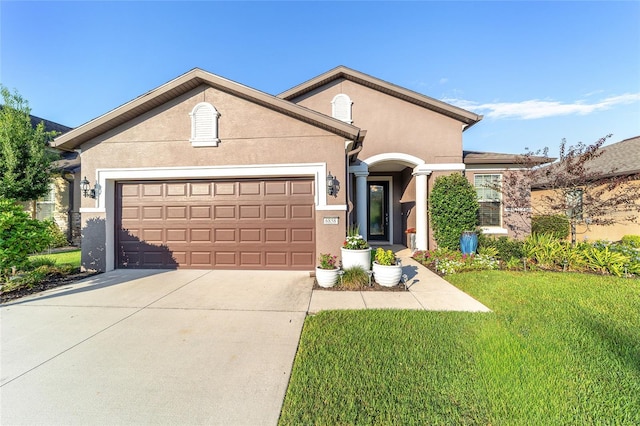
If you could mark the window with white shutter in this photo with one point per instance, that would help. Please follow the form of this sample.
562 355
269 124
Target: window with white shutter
341 108
204 125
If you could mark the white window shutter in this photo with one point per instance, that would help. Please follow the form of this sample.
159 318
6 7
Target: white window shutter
204 125
341 108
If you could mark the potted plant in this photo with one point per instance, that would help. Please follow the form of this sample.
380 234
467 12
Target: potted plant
387 270
355 251
327 272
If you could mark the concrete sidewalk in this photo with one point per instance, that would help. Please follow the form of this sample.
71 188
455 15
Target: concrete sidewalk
426 291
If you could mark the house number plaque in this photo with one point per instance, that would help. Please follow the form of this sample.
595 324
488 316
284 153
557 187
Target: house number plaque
330 220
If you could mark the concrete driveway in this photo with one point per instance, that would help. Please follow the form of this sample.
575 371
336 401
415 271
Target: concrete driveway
153 347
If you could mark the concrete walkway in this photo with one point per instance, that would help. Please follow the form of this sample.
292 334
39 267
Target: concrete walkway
426 291
174 347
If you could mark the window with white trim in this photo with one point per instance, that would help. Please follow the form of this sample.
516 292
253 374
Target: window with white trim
489 199
574 204
204 125
45 206
341 108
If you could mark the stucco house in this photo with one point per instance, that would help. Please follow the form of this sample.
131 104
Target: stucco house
620 159
204 172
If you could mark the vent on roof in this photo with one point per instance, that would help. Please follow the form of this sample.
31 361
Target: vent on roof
204 125
341 108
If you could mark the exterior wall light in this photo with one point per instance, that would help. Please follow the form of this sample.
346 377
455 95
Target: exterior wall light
331 187
86 190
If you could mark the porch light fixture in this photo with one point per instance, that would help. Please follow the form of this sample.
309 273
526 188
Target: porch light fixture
86 190
331 187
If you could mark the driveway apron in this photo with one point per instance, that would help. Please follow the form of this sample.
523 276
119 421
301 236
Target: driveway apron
153 347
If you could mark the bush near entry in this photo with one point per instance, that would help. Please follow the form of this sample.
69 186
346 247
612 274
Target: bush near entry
555 224
453 208
20 236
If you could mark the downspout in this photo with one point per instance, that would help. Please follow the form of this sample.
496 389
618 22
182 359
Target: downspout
349 154
70 209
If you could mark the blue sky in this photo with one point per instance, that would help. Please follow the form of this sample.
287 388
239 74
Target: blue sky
537 71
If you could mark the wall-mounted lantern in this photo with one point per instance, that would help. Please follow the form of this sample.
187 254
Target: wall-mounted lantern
331 186
87 191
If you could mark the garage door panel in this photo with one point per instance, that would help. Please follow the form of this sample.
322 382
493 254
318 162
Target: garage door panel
251 224
302 212
176 213
275 211
224 235
249 188
250 212
177 189
224 212
198 189
152 190
250 235
302 235
152 212
251 259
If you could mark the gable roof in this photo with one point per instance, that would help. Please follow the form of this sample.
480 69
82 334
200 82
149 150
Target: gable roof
342 72
49 125
184 83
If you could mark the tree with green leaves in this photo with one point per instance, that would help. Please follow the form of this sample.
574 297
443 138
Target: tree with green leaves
453 209
25 161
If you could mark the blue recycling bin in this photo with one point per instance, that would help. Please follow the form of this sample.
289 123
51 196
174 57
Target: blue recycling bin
469 242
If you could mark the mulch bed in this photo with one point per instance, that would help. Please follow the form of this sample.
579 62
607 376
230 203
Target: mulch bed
374 287
49 283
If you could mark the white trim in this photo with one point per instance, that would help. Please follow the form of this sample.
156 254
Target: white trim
406 159
498 169
440 167
388 179
494 230
106 179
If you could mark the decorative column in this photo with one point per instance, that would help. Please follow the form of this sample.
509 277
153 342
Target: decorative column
421 207
361 171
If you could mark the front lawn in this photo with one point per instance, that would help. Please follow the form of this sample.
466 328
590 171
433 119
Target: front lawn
558 349
63 258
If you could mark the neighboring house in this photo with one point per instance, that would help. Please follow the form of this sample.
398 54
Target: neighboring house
60 203
618 159
203 172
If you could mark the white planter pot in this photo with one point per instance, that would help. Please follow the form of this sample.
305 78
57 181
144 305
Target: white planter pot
327 277
387 276
351 258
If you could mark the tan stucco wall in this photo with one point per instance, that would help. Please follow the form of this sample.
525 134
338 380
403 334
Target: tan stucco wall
392 124
250 134
595 232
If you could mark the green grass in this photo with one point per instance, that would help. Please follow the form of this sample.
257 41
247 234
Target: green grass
558 349
64 258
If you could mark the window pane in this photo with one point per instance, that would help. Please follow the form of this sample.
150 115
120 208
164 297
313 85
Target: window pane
489 213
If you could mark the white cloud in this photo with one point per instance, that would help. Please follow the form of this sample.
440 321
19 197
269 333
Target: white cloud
535 108
443 80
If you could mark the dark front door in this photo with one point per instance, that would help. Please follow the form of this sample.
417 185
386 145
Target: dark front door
378 229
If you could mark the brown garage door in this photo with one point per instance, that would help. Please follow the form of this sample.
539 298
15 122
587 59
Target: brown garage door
219 224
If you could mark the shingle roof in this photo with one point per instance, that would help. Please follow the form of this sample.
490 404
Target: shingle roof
49 125
479 157
621 158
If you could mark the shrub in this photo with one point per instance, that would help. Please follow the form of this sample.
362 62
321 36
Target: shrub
19 236
354 278
631 241
58 238
507 247
556 225
453 208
